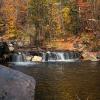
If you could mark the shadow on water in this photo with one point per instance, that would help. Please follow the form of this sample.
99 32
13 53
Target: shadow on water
65 81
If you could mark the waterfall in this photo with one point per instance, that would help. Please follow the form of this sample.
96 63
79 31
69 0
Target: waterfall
18 59
66 55
43 57
60 56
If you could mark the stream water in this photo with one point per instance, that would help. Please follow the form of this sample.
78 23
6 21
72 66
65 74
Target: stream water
65 81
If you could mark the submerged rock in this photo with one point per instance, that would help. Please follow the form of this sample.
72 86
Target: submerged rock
15 85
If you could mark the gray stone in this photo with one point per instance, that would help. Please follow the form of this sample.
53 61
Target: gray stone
15 85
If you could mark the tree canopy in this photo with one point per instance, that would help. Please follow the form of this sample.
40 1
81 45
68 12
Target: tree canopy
54 18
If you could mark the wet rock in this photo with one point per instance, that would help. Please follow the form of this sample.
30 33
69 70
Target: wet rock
37 59
15 85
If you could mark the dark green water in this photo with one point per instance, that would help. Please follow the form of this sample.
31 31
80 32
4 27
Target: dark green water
65 81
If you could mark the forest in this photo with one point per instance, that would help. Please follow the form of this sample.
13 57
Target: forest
58 24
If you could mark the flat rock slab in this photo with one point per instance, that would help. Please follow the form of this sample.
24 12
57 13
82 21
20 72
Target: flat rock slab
15 85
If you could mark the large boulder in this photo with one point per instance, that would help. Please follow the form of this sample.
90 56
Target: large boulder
15 85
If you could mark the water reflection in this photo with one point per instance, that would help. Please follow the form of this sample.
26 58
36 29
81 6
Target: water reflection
66 81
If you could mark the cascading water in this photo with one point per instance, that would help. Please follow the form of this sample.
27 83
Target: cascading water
69 56
66 55
19 60
61 56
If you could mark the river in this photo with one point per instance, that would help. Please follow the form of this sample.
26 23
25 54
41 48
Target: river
65 81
